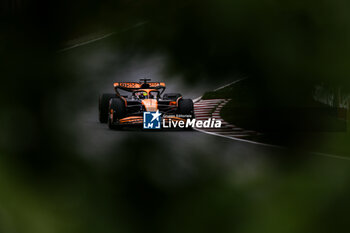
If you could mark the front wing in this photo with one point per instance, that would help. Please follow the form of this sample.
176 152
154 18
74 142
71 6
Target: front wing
138 120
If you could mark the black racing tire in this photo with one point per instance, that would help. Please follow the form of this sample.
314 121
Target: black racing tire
103 104
116 105
171 96
185 107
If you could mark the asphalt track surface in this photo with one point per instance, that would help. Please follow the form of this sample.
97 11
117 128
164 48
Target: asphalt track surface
98 65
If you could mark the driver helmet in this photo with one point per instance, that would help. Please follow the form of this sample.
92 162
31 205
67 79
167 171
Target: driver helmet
143 95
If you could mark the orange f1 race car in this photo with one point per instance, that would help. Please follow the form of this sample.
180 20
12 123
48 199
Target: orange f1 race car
127 110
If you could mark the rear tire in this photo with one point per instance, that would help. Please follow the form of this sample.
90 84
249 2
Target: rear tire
116 112
103 104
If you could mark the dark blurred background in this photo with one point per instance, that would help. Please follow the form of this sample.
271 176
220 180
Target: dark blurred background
61 171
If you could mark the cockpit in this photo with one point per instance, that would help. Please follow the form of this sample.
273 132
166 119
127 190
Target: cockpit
145 94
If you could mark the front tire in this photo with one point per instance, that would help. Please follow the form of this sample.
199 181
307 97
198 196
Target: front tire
117 111
185 107
103 104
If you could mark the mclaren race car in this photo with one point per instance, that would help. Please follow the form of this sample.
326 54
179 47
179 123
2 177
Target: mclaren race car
144 96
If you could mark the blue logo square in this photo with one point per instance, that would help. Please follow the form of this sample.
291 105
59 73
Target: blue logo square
151 120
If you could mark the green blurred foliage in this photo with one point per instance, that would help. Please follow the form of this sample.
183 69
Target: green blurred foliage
47 185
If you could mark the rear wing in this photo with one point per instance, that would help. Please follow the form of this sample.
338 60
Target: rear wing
132 86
